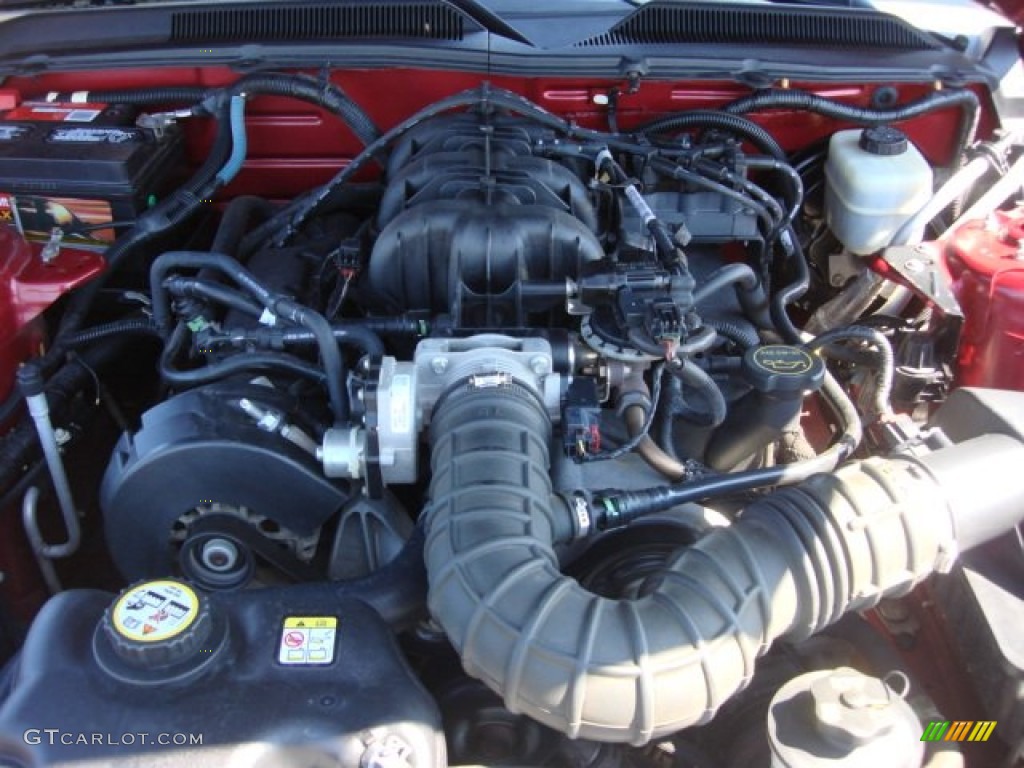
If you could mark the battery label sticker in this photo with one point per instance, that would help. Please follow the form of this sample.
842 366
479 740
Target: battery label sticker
92 136
308 640
82 115
155 610
6 209
81 220
56 113
12 132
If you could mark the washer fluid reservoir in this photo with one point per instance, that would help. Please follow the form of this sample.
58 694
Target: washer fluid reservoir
876 179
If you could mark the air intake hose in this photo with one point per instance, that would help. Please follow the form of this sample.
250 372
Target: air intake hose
634 670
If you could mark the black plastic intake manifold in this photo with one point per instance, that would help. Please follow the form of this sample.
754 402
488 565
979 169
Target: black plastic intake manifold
634 670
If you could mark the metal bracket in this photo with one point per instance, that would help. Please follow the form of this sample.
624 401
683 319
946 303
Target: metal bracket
921 267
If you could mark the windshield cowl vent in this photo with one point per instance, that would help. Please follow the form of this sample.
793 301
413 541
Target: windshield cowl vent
421 21
655 24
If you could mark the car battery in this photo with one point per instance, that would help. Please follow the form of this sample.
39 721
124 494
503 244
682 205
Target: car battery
80 168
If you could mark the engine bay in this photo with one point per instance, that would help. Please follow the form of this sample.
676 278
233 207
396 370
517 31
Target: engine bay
503 421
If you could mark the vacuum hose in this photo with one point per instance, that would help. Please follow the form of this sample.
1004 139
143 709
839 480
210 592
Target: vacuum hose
633 670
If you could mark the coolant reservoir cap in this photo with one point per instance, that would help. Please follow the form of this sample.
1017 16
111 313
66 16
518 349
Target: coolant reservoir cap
783 369
883 140
157 623
842 718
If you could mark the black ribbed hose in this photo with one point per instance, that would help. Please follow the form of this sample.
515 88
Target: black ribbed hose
633 670
98 333
169 95
322 93
966 100
706 118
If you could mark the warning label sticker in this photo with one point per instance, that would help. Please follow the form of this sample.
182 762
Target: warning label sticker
56 112
80 220
308 640
155 610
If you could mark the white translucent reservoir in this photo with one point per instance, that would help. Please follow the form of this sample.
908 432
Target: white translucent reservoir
876 179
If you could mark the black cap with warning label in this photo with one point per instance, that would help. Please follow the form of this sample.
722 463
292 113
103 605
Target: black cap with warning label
156 625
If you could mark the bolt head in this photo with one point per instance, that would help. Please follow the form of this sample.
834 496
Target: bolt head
62 436
914 265
439 365
539 365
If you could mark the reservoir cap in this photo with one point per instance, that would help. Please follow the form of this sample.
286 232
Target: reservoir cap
883 140
783 369
157 623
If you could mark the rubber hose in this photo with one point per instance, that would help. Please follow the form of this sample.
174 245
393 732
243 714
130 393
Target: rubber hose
649 451
641 669
723 174
232 228
793 180
102 332
171 260
696 379
792 99
239 142
252 361
204 290
171 95
742 335
791 292
360 337
236 220
748 287
886 363
323 94
399 325
692 177
334 367
724 121
622 507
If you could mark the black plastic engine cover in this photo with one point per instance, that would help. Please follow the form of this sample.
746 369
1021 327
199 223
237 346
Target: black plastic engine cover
468 258
467 132
500 177
248 707
195 449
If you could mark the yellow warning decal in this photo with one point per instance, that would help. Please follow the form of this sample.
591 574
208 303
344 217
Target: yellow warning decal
313 622
308 640
155 610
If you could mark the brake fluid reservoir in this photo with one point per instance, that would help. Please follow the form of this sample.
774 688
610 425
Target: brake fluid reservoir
876 179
